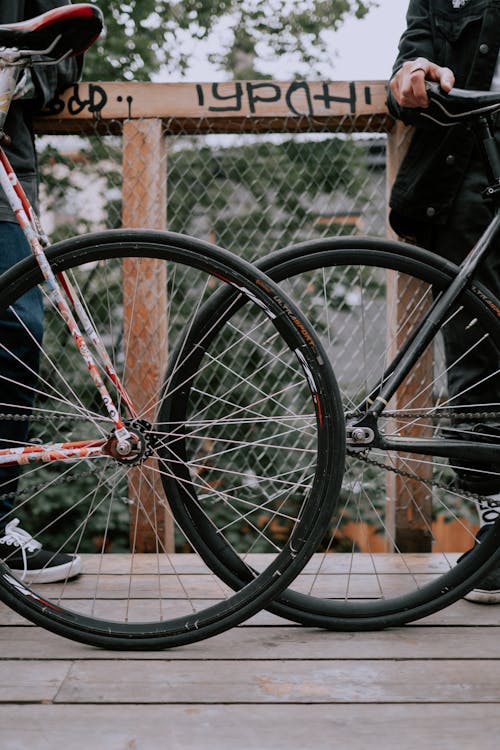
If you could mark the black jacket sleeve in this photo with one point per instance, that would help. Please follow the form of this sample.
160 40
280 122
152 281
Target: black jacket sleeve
417 41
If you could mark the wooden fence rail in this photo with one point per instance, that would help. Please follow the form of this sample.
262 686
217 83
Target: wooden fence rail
143 113
222 107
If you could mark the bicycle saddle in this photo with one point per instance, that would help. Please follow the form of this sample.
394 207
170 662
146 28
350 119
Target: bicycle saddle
56 34
459 105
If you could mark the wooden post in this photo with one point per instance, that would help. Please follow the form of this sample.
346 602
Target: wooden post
409 503
144 319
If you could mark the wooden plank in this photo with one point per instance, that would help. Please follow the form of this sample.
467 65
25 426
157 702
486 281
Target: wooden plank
229 106
195 586
311 681
120 564
328 563
259 687
251 727
384 563
186 584
409 501
187 587
141 587
107 609
144 176
25 681
360 586
461 613
245 644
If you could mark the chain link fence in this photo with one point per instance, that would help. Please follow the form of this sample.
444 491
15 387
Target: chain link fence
252 191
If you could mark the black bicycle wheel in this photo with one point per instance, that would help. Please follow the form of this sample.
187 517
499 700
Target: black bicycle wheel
374 570
267 498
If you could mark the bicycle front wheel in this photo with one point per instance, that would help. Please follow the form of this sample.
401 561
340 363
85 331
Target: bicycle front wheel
386 559
261 487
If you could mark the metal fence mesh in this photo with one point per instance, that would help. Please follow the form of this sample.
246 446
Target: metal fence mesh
251 192
255 194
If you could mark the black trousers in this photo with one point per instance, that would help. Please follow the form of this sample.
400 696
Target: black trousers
468 220
470 381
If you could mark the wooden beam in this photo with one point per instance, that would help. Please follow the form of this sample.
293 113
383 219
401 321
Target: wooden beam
230 106
145 319
409 502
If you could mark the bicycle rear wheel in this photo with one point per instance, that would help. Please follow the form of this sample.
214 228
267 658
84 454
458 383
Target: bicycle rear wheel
385 560
265 495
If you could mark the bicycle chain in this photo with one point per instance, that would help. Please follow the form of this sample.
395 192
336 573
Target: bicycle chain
19 494
485 416
408 475
44 418
35 488
466 416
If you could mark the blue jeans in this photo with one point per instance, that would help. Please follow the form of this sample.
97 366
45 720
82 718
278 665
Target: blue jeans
20 330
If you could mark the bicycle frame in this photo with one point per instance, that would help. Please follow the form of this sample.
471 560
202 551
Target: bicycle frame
65 298
425 332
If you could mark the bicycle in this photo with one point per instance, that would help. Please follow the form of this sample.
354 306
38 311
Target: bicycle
266 498
403 432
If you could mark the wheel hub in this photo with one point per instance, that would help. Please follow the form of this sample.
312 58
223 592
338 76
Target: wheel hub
137 448
362 434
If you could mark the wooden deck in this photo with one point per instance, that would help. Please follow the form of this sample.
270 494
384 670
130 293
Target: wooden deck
266 685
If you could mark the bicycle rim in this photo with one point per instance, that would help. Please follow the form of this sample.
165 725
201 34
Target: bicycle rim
374 568
143 584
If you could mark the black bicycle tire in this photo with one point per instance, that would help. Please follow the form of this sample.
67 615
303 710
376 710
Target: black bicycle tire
320 503
326 613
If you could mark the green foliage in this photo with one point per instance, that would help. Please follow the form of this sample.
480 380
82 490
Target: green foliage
60 507
95 161
141 37
261 194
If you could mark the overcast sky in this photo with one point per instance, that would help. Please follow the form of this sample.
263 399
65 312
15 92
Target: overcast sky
364 49
367 48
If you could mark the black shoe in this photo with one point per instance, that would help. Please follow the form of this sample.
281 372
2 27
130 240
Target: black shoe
32 564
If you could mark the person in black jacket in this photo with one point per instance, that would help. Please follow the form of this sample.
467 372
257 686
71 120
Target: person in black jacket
23 554
436 199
